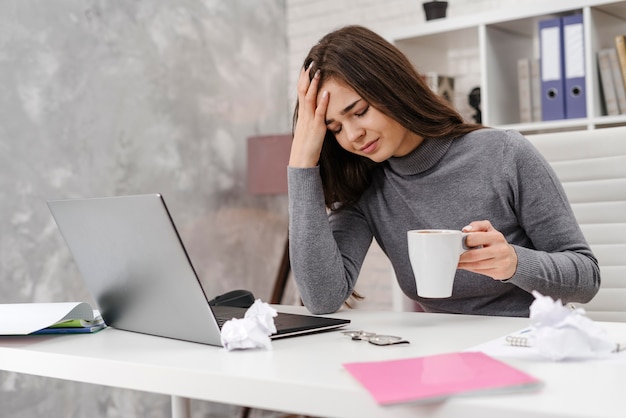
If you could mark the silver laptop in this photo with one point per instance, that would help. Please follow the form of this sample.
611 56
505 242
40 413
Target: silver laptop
135 266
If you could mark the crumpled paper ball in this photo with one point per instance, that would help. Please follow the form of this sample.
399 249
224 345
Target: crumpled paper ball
560 333
251 331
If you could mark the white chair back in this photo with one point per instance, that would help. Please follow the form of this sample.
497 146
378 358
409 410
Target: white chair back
591 165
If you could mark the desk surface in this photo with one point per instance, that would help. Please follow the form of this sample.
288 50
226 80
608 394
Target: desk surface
305 374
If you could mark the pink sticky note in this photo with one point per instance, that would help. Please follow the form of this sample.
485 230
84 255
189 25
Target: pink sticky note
438 376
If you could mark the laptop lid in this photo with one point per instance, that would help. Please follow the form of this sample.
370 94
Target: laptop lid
136 268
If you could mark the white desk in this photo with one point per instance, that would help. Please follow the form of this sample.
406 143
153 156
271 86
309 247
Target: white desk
304 375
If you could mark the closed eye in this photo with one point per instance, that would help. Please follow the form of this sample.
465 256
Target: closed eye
363 112
357 114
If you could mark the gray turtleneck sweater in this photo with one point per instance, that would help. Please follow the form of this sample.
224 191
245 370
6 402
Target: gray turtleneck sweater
487 174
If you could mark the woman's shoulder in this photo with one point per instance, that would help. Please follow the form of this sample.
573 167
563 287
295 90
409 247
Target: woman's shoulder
506 139
495 134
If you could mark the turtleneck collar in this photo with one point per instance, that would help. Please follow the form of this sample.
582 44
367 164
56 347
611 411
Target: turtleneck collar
426 155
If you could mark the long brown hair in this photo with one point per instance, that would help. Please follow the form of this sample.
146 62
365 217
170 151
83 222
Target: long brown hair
384 77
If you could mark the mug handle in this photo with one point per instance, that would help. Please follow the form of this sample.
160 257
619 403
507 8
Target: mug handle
464 246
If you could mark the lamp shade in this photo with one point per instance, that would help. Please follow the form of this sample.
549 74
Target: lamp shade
268 157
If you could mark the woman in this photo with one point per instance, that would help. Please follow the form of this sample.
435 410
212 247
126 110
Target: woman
376 153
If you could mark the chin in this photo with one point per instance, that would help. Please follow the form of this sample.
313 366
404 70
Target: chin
378 157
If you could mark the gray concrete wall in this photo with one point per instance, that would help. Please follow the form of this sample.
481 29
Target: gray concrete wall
103 98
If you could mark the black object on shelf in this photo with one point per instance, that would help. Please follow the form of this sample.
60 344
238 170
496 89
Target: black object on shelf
435 9
474 102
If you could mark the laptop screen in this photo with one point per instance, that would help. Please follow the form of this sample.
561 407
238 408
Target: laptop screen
135 266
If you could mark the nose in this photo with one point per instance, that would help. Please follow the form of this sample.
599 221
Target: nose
354 132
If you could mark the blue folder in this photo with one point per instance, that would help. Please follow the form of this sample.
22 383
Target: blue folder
552 84
574 58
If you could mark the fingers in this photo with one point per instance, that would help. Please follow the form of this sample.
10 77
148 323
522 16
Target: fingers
303 82
498 261
310 128
485 238
308 95
477 226
491 254
307 85
322 106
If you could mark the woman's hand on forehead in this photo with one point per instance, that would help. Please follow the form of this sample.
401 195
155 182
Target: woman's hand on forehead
311 124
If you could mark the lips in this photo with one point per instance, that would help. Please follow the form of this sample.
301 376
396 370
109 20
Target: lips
369 147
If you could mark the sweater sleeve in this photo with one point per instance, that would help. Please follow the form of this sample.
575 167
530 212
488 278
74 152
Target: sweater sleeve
560 264
325 264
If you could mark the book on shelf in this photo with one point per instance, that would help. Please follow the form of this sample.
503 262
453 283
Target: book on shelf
574 77
620 48
535 86
618 83
609 94
524 90
443 85
49 318
529 90
552 69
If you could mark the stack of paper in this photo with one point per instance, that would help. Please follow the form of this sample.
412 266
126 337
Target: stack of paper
49 318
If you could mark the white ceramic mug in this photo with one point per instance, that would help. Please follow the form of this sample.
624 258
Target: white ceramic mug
434 255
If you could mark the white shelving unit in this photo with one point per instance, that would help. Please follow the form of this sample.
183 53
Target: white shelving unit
483 50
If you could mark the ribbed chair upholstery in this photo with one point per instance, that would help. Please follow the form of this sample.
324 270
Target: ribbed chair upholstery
591 164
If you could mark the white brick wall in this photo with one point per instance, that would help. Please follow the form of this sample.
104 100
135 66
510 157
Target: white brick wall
309 20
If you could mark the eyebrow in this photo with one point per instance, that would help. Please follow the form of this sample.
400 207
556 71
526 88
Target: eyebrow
345 110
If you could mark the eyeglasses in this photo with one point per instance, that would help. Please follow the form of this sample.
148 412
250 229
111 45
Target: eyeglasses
374 338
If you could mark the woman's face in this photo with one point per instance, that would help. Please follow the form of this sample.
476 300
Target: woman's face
362 129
